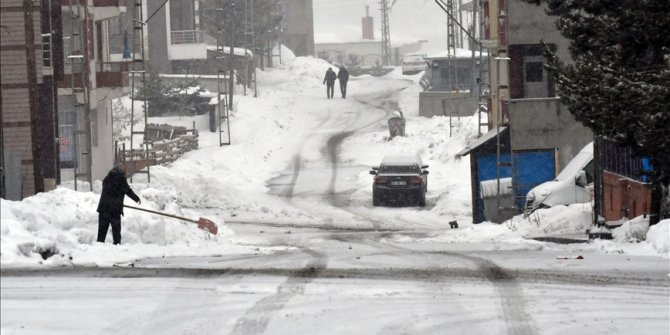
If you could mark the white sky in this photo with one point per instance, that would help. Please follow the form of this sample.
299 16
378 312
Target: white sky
410 20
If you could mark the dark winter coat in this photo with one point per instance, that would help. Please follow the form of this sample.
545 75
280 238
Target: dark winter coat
330 77
343 75
114 188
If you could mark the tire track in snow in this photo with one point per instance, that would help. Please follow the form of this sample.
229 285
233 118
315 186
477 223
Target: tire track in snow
512 301
256 319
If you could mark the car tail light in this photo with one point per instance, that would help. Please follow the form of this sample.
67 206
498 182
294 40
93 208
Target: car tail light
381 180
415 180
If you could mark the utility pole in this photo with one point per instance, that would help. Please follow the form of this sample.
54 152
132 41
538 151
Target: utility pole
451 48
28 9
249 44
2 146
253 49
231 79
221 106
386 35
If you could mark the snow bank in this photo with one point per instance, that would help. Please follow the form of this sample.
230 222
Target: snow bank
63 223
659 236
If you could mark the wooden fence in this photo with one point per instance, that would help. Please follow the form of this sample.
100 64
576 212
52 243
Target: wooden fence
164 144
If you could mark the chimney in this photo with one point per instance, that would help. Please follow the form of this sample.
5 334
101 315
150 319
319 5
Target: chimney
368 26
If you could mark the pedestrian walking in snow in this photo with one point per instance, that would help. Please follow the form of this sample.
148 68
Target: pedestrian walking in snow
343 76
329 80
110 208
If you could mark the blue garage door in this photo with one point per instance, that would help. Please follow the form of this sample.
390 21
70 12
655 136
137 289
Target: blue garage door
532 168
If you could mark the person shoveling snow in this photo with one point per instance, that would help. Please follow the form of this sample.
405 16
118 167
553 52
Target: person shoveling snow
110 208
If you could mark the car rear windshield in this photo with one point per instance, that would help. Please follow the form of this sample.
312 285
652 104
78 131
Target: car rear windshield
400 169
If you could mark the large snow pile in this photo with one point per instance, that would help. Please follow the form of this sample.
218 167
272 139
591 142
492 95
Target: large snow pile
61 227
658 236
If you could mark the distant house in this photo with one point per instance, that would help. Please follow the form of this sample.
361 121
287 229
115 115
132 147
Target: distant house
452 89
180 33
363 53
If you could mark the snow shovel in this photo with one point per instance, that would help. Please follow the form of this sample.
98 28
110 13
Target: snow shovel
204 224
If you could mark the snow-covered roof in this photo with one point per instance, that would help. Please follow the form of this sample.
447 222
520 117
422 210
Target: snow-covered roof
476 143
226 50
460 53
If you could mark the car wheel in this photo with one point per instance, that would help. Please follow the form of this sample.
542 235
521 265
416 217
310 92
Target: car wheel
422 200
375 200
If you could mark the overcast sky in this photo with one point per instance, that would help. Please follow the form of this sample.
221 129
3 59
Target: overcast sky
410 20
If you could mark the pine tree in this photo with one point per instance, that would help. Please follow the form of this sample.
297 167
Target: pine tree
618 83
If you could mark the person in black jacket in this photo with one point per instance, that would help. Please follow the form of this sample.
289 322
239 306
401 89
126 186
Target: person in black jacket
343 76
110 208
329 80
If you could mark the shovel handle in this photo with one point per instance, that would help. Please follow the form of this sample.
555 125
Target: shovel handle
161 213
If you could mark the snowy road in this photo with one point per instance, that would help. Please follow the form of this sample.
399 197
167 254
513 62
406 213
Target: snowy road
345 281
303 251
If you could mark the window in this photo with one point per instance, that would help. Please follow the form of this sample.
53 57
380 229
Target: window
534 72
400 169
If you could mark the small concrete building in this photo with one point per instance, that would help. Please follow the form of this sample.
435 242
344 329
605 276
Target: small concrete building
452 88
543 135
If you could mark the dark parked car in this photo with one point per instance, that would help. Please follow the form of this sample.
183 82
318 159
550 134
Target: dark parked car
400 179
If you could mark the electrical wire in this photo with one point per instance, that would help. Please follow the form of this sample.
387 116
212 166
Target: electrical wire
156 11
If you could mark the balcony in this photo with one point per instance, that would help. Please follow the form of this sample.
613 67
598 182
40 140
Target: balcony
187 44
111 74
187 36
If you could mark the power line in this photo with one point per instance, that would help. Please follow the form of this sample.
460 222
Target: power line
156 11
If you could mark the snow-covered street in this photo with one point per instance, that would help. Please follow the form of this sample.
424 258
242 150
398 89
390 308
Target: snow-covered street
302 250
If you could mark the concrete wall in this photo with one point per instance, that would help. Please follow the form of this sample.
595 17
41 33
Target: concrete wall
157 31
430 104
528 24
545 123
298 24
101 128
438 73
624 197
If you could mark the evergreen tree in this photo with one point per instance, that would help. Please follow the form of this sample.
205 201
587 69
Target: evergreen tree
230 14
618 83
181 98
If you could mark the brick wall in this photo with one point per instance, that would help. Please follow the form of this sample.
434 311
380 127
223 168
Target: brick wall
624 196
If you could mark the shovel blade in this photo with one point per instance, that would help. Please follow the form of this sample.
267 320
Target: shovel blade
208 225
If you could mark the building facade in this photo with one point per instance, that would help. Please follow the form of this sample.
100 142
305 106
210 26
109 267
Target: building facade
543 135
30 63
94 77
